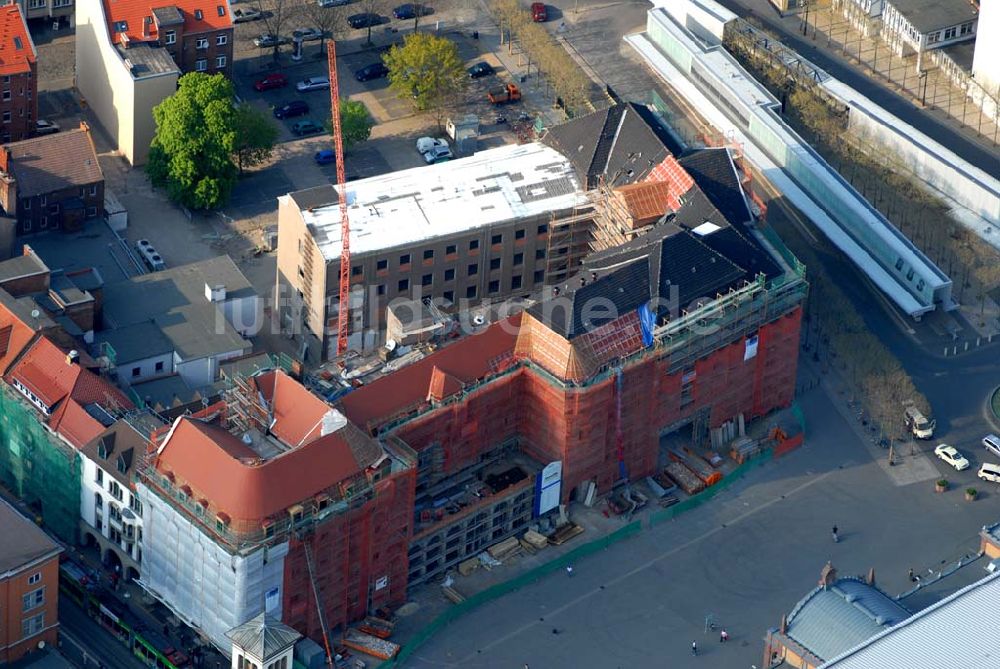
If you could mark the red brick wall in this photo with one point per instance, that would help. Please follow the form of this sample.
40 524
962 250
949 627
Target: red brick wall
19 112
12 647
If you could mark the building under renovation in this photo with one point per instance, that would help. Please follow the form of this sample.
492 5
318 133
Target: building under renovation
270 500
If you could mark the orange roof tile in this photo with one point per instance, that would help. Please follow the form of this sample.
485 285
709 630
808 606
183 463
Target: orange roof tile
16 335
646 201
297 413
17 51
221 469
442 385
467 360
72 422
135 12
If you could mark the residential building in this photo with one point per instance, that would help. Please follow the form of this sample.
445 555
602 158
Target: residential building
836 616
461 231
18 77
915 26
184 320
53 182
267 502
960 630
60 10
986 57
110 509
29 586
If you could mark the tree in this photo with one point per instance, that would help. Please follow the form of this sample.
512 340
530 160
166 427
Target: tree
427 70
355 123
275 14
330 21
256 134
371 7
191 152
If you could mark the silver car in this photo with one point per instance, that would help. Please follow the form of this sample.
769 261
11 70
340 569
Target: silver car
332 3
313 84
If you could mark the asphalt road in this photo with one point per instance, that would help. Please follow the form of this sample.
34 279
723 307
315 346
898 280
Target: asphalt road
86 643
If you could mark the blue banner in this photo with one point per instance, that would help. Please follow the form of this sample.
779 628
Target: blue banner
647 321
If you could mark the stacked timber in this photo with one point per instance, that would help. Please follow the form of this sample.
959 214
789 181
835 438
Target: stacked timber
685 479
505 550
466 567
536 540
451 593
370 645
565 533
375 626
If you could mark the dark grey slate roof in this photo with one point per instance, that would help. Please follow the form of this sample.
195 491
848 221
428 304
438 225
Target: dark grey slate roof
264 636
135 342
317 196
829 621
587 307
621 143
715 174
21 266
53 163
24 542
930 15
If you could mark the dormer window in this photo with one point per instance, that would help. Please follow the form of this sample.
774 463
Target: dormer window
198 15
121 464
222 10
120 26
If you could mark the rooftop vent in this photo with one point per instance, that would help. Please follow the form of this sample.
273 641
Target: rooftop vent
215 293
247 439
73 357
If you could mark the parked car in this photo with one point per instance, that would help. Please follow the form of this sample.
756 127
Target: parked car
325 157
950 455
306 127
438 154
290 109
43 127
271 81
364 20
991 443
373 71
990 473
481 69
332 3
307 34
425 144
539 14
244 14
265 40
411 10
313 84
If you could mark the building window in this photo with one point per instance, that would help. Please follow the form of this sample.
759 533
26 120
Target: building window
91 212
539 276
381 289
449 295
470 292
44 222
518 259
99 478
220 40
426 279
494 287
53 208
93 189
202 43
449 275
356 270
429 254
495 263
220 61
515 282
543 228
32 626
159 366
539 254
519 234
6 117
200 65
35 578
198 14
950 33
966 28
119 26
170 37
404 284
404 259
473 269
382 264
496 239
115 489
33 599
6 95
474 244
450 250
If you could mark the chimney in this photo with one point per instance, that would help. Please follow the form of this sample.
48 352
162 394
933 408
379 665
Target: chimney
871 577
828 576
84 126
555 291
5 159
784 625
73 357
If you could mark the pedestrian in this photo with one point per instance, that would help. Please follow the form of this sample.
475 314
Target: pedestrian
694 647
913 578
723 636
569 570
836 539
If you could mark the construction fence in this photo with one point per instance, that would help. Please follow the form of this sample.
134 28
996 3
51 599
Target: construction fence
628 531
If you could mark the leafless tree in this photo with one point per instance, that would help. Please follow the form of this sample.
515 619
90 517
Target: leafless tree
275 15
378 7
330 21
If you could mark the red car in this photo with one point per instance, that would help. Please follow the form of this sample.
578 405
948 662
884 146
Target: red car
538 13
275 80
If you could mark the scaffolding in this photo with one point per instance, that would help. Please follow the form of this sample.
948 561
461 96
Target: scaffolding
569 240
38 467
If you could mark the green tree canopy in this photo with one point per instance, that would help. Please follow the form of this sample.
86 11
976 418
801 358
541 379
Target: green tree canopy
191 154
427 70
255 136
355 123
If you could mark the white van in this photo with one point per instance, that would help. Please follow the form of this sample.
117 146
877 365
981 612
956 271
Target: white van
990 473
992 444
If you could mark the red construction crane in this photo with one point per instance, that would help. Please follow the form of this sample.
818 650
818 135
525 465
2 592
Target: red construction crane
343 305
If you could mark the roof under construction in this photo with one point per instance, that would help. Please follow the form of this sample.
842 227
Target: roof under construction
405 207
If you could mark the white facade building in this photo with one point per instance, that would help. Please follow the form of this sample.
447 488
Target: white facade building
914 26
986 59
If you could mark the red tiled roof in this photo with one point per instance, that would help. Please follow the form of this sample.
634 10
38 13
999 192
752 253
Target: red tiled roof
442 385
13 31
466 360
218 467
134 13
72 422
45 371
297 413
